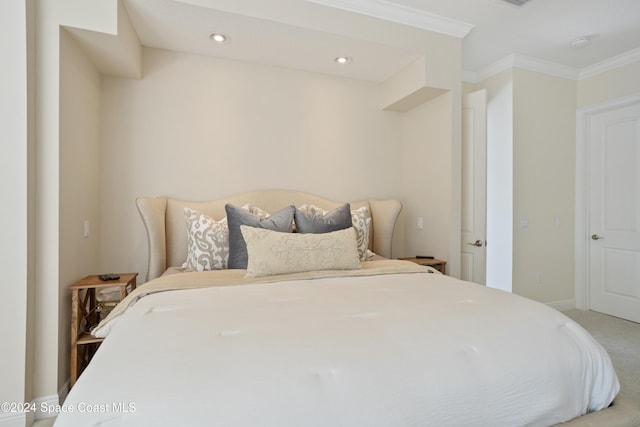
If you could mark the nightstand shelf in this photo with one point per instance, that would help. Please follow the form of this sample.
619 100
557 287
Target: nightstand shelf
438 264
87 312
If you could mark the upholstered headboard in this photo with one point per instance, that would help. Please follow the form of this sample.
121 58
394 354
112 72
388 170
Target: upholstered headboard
164 221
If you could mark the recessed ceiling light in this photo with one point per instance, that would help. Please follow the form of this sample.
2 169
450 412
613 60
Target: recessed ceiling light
581 41
220 38
342 60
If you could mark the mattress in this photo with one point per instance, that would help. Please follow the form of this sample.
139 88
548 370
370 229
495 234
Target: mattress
401 348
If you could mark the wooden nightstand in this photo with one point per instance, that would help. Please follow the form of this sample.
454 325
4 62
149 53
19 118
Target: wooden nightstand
438 264
86 314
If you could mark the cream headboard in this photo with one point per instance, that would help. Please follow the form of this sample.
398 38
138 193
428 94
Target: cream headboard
164 221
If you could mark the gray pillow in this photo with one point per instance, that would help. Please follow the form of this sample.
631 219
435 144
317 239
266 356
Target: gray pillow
315 222
278 221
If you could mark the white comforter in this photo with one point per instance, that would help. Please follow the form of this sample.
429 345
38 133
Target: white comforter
392 350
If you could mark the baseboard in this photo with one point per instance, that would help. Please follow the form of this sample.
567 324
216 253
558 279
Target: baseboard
37 410
40 410
564 305
13 420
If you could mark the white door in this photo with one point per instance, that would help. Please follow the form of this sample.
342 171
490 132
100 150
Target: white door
473 255
614 212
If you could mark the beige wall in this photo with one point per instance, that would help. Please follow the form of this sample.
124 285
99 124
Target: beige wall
431 153
199 128
543 126
14 213
610 85
426 181
57 65
79 181
544 175
46 352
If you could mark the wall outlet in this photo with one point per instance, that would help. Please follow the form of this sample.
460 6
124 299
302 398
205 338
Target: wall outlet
420 224
539 277
87 229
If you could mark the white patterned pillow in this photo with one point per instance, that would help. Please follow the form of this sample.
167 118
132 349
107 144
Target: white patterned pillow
208 239
272 252
361 220
207 242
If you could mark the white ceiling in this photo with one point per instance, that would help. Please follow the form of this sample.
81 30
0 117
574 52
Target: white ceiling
309 34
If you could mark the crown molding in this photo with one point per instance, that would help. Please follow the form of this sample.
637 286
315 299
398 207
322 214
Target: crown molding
402 15
617 61
551 68
490 70
546 67
524 62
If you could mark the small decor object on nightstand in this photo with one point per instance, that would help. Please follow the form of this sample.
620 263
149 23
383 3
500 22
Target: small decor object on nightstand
87 311
429 261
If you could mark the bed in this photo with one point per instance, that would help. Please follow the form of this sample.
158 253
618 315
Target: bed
359 339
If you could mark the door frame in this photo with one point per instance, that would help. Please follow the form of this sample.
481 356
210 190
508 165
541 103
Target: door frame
583 120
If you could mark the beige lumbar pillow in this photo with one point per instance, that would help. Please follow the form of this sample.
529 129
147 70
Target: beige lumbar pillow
272 252
361 221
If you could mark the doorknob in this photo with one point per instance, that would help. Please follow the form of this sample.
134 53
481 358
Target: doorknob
477 243
596 237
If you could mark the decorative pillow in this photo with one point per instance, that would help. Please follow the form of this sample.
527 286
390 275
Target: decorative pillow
207 242
272 252
278 221
317 222
256 211
361 220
